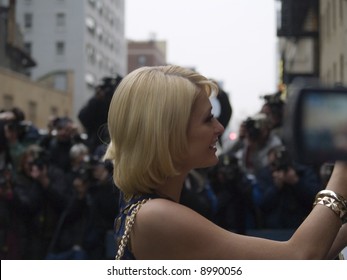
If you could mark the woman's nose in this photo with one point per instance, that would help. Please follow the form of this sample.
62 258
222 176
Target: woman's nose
219 128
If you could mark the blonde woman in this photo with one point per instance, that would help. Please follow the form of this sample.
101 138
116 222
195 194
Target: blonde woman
161 127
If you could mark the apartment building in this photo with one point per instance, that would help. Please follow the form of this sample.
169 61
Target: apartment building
83 36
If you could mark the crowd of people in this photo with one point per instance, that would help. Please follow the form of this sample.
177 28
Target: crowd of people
58 199
275 191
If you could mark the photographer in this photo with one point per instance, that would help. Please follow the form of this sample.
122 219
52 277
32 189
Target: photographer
273 108
12 135
105 196
10 245
15 145
252 155
233 193
93 116
42 191
63 136
74 228
258 140
287 190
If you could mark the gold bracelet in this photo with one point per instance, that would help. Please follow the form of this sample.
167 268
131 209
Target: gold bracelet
332 194
333 201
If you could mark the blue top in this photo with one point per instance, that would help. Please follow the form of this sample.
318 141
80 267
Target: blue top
126 207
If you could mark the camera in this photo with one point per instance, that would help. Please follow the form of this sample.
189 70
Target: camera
273 99
84 173
254 126
281 159
315 126
41 159
108 86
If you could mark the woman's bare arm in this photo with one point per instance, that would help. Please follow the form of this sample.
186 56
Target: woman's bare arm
168 230
339 244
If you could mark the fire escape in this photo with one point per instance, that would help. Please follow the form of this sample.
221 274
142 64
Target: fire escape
12 50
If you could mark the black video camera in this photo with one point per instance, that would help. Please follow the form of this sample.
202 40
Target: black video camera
109 84
252 128
281 160
254 125
315 126
273 99
41 159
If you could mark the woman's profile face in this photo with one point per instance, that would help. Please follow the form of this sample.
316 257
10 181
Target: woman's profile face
203 132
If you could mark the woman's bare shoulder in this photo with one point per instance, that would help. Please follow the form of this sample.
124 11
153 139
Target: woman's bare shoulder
168 230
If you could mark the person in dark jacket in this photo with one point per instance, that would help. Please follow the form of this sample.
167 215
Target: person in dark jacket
40 195
59 143
93 116
74 230
10 223
288 190
105 196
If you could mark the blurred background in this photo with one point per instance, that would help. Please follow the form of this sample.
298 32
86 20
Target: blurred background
61 60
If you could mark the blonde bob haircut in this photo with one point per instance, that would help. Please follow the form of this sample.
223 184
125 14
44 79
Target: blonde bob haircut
147 121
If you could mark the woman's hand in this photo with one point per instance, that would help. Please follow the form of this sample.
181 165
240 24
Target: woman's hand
338 179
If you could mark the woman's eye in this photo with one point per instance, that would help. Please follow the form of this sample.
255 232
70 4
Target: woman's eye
210 118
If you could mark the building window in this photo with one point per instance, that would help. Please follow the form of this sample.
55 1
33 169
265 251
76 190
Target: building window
91 25
28 20
92 2
60 19
91 53
32 111
28 47
54 111
60 82
334 72
8 102
333 14
100 33
328 80
342 69
142 60
60 48
100 7
328 21
100 60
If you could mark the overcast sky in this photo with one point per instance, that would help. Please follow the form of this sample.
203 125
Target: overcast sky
232 41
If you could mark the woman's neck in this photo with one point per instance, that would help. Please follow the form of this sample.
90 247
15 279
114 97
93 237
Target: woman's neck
172 187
